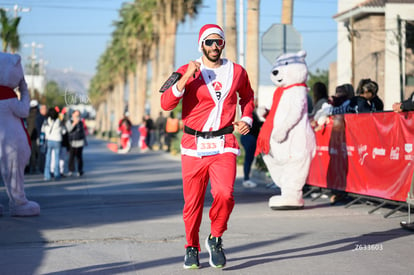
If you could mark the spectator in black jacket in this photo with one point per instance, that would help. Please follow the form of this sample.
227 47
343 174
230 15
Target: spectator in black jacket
160 124
77 140
404 106
149 124
375 101
33 132
361 103
41 118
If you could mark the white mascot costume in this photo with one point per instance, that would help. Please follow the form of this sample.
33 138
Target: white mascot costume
286 139
14 142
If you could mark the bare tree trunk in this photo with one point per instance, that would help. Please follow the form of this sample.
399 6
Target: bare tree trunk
110 110
166 66
154 63
160 64
99 118
141 89
120 100
132 98
220 14
104 116
114 104
252 43
231 31
165 61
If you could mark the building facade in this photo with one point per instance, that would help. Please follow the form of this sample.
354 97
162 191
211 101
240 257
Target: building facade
375 40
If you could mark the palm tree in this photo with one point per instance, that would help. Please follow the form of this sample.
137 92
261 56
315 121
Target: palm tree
231 30
125 31
100 89
220 14
252 43
118 63
117 60
145 38
137 33
168 14
9 34
145 34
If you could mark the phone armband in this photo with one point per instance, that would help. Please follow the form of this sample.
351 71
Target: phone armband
170 81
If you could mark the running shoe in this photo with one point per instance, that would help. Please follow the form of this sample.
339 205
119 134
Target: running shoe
215 250
191 260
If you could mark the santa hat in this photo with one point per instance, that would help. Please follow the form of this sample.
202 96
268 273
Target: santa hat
64 111
206 30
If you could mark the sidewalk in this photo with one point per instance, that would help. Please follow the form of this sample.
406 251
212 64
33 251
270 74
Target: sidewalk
124 216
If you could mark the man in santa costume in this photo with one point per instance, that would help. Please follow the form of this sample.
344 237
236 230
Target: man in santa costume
209 88
15 145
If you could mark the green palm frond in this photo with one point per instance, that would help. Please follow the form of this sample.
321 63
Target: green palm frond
9 32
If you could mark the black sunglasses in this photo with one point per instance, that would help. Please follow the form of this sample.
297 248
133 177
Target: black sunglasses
209 42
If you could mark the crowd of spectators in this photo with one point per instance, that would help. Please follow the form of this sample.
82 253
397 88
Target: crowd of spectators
57 140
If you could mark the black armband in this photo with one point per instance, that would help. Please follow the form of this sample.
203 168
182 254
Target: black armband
170 81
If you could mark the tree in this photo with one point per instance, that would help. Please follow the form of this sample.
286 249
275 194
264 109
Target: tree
9 34
252 44
138 36
145 34
167 16
53 95
220 13
231 31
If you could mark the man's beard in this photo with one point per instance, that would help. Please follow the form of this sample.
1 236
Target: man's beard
215 59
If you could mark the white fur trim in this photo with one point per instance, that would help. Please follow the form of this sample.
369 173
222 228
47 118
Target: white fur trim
176 92
193 153
248 120
207 33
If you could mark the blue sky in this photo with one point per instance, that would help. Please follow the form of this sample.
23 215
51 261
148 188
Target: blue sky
75 33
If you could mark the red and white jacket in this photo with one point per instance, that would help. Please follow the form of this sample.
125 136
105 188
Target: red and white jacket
202 111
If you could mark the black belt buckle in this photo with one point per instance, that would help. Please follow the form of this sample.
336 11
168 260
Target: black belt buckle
208 135
205 135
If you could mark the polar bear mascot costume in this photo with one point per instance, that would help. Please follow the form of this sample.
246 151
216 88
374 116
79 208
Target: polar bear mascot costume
286 139
14 141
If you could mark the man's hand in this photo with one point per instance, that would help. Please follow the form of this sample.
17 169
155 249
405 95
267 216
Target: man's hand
242 127
396 107
193 67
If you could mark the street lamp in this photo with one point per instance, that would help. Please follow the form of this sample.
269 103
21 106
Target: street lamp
16 9
34 45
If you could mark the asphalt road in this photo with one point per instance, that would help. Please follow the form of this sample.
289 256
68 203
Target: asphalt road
124 217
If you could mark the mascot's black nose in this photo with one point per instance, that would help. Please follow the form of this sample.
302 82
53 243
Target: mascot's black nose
275 72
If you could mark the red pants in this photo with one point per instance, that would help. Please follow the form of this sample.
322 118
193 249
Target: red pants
143 135
221 171
124 142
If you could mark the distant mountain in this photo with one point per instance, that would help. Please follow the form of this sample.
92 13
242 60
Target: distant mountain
69 80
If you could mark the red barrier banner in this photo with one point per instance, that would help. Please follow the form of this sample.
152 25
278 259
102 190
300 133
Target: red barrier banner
368 154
